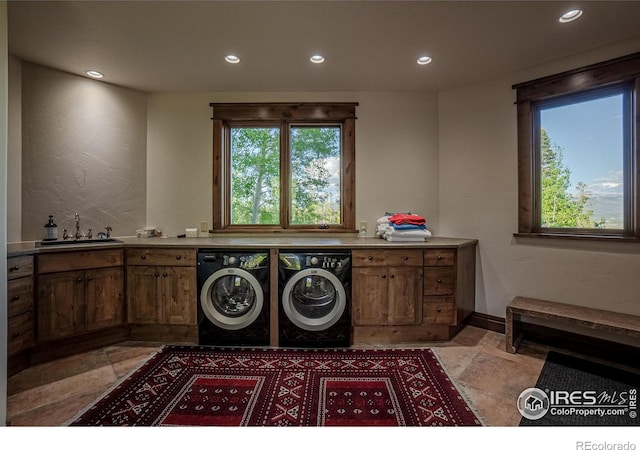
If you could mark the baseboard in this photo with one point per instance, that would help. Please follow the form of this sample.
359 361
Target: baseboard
574 342
487 322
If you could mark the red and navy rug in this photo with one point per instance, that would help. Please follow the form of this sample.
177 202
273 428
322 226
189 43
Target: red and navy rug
188 386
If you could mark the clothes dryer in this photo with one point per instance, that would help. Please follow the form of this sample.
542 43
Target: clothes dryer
233 305
315 298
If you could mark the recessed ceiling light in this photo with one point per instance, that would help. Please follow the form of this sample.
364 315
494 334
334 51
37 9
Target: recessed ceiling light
317 59
94 74
570 16
232 59
424 60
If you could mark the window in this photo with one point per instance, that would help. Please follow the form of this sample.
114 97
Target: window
284 167
578 153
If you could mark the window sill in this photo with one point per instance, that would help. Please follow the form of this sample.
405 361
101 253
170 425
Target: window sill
578 237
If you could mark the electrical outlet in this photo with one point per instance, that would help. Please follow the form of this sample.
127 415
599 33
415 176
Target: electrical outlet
204 227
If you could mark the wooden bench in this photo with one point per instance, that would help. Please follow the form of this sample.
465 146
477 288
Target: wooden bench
595 319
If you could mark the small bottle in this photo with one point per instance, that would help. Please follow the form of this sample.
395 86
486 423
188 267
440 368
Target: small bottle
50 230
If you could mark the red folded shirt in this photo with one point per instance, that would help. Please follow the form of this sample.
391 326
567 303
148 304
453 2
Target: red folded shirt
412 219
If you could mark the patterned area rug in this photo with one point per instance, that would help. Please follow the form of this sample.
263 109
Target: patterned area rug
184 385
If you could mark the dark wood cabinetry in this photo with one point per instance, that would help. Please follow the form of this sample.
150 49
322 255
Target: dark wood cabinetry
391 283
161 286
20 304
412 295
79 292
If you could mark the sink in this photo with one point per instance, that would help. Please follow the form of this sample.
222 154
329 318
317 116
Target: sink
77 242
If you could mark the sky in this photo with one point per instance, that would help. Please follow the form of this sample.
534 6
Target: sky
590 135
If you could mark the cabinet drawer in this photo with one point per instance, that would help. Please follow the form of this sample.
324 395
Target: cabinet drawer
161 257
19 266
19 296
20 333
439 257
67 261
377 257
439 281
439 310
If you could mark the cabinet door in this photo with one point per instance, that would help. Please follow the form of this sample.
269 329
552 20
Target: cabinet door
369 296
105 297
61 309
405 295
143 295
179 295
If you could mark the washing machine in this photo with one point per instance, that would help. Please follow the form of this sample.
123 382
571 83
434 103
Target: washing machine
233 300
315 298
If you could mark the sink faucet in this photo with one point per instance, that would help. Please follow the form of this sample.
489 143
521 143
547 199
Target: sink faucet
78 235
108 228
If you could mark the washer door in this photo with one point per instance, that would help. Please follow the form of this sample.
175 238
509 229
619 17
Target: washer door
231 298
314 299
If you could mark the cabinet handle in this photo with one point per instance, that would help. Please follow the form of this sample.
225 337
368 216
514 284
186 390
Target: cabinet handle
14 268
143 257
439 280
406 258
17 297
90 278
79 279
178 257
164 274
370 258
439 310
157 274
384 276
15 334
392 276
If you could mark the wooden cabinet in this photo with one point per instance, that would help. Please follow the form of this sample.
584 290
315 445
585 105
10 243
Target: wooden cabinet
387 287
412 295
79 292
449 285
439 286
20 304
161 286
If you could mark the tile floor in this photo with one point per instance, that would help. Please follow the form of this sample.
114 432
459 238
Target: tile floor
50 394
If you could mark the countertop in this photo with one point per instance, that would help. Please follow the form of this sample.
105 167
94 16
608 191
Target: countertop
288 242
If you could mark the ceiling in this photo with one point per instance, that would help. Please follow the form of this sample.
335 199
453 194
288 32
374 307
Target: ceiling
368 45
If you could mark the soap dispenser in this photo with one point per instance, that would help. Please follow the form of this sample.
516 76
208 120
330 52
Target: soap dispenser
50 230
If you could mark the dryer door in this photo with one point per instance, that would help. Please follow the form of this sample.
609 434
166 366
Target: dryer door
231 298
314 299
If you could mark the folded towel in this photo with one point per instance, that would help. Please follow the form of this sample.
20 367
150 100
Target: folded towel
407 238
407 226
413 219
386 230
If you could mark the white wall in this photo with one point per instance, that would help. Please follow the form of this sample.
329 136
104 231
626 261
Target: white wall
396 154
4 61
84 150
479 195
14 149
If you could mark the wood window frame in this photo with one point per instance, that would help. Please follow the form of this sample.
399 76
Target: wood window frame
619 71
282 115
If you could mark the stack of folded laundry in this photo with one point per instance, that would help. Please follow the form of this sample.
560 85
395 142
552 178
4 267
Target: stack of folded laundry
402 227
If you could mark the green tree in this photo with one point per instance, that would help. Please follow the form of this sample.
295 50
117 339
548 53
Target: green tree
313 198
255 175
560 209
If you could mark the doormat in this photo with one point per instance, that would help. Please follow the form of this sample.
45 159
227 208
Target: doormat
576 392
191 385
